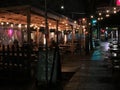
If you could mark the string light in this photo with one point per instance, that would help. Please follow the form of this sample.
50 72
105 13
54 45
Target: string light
107 11
114 12
107 15
100 14
114 8
19 25
7 23
2 23
12 25
98 18
91 16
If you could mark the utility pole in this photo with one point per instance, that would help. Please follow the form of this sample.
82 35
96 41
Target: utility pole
92 11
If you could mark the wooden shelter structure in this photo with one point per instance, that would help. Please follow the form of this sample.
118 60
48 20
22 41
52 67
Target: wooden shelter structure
32 19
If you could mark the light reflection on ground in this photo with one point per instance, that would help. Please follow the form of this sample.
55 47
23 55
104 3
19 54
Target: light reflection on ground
100 51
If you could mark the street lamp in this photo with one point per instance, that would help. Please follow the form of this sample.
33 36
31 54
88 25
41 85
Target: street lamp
62 7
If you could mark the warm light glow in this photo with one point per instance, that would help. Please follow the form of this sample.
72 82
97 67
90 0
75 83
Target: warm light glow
65 39
50 24
91 16
52 34
107 11
107 15
84 30
100 14
66 24
11 25
83 19
83 27
62 7
19 25
7 23
75 22
98 18
34 27
44 40
89 23
25 26
31 25
63 22
114 8
42 25
106 27
2 23
115 12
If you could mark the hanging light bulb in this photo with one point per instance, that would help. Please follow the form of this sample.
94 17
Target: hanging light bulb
98 18
100 14
92 16
25 26
2 23
19 25
114 11
114 8
107 15
11 25
107 11
7 23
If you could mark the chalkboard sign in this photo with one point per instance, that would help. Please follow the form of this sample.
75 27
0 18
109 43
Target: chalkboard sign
41 67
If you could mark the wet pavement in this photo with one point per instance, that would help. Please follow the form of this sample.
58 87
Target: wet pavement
93 73
81 72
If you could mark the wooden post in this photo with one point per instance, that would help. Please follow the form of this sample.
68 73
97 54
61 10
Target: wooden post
72 47
57 31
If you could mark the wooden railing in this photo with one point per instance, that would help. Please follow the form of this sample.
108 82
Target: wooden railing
16 61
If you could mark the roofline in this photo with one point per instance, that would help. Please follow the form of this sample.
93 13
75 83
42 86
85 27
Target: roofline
51 14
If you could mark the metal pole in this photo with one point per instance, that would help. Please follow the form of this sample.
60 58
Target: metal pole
46 46
58 56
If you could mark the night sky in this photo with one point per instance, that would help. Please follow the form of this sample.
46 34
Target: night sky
72 8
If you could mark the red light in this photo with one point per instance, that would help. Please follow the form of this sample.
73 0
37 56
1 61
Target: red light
117 2
102 30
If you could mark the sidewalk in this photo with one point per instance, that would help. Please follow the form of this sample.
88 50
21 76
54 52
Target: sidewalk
71 63
90 72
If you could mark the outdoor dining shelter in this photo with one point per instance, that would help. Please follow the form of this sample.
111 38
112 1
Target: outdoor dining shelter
27 22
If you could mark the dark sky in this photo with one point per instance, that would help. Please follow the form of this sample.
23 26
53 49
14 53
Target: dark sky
73 8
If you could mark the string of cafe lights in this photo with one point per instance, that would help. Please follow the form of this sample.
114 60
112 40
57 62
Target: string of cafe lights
33 26
104 12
